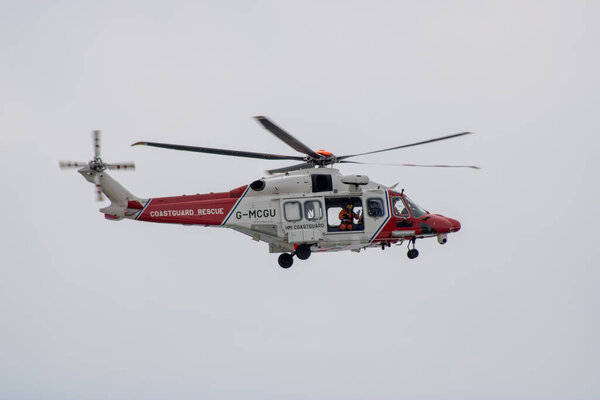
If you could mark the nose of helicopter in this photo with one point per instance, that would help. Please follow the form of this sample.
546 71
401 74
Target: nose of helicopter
444 224
454 225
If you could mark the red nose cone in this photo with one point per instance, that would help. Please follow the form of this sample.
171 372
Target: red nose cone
455 225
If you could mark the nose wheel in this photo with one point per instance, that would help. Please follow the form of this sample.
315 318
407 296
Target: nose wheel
412 253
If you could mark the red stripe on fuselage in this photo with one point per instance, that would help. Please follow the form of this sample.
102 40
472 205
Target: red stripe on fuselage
199 209
385 235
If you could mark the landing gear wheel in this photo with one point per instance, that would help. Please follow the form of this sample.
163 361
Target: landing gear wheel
285 260
303 251
412 253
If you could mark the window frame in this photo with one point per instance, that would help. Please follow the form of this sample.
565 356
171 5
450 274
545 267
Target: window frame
408 212
339 202
381 204
299 210
320 210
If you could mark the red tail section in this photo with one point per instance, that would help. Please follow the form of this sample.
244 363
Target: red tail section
199 209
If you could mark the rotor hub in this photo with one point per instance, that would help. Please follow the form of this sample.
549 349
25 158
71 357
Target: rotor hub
97 165
325 158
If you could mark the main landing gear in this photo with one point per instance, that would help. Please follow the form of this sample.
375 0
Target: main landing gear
287 259
412 253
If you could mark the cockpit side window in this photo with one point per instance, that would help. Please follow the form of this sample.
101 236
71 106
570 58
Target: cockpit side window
400 209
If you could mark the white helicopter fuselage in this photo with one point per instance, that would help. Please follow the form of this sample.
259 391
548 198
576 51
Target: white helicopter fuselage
288 210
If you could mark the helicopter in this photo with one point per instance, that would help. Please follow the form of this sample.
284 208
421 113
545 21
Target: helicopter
305 208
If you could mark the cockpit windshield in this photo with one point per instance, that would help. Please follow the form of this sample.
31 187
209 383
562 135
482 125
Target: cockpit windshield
416 211
400 205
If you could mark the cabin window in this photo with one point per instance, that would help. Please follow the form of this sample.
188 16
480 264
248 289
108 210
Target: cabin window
399 207
292 211
313 210
344 214
321 183
375 208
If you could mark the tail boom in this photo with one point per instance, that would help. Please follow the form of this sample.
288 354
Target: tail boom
200 209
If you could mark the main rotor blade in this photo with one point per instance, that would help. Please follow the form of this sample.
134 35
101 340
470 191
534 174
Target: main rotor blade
96 138
223 152
407 145
291 168
286 137
412 165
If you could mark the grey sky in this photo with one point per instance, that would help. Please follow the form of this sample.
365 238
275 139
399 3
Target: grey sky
507 309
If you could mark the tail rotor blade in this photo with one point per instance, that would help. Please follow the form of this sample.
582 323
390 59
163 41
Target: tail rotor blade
121 166
72 164
98 184
96 139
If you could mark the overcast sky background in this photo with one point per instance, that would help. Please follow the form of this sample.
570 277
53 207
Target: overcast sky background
93 309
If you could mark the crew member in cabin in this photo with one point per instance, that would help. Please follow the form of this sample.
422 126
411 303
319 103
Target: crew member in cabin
347 216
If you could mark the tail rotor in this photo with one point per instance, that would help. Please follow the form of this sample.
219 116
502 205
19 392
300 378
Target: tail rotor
96 166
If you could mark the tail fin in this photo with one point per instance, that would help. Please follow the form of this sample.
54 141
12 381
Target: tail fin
123 204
